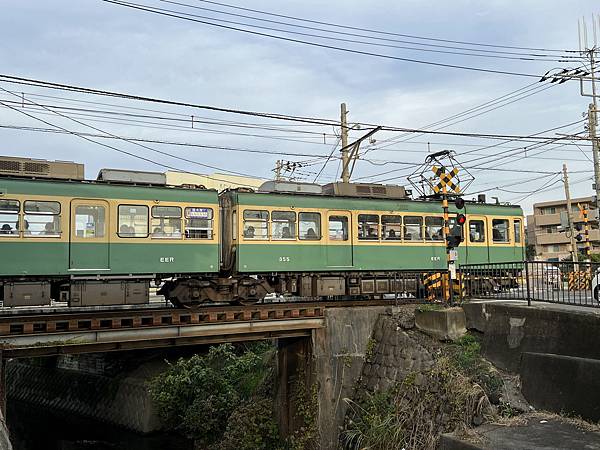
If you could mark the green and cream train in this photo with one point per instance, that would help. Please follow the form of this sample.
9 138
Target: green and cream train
102 242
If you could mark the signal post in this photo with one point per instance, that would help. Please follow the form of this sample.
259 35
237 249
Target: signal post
453 237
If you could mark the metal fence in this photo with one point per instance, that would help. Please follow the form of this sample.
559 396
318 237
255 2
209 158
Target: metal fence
554 282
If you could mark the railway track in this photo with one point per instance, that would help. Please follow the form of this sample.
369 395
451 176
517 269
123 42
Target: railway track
20 322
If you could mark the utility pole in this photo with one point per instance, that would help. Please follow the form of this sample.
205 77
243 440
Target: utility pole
345 149
574 255
592 122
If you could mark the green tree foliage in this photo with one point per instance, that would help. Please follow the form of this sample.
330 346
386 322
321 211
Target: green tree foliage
201 396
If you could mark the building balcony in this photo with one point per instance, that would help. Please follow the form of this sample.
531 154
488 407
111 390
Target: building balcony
547 219
542 238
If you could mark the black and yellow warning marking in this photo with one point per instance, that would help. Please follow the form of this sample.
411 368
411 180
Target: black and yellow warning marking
446 179
436 285
586 229
579 281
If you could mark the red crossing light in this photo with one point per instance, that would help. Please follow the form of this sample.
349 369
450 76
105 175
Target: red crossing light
461 219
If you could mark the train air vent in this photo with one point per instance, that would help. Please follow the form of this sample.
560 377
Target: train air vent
365 190
10 166
37 168
40 168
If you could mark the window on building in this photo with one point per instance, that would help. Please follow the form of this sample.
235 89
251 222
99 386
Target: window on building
368 227
166 222
476 231
500 230
199 223
283 225
517 231
550 210
413 228
309 226
391 228
9 217
434 228
90 221
256 224
133 221
338 228
41 219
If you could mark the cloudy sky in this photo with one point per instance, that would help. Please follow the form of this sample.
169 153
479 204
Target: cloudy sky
110 47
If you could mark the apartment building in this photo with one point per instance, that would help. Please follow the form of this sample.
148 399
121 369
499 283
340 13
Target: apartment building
543 229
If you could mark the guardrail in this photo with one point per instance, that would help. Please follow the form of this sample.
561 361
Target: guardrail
552 282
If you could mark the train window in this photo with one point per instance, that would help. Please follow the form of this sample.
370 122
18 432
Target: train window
368 227
166 222
451 223
41 219
434 228
338 228
283 225
133 221
476 231
413 228
199 223
9 218
310 226
500 230
256 224
391 228
517 227
89 221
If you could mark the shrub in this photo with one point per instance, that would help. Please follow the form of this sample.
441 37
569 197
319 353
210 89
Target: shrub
197 396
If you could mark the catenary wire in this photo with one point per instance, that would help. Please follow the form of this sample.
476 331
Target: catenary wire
320 45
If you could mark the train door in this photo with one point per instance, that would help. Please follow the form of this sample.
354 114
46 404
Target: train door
477 241
519 253
339 242
89 236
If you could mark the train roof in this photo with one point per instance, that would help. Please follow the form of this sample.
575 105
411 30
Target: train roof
103 189
310 200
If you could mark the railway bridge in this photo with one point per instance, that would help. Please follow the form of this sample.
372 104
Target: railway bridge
325 340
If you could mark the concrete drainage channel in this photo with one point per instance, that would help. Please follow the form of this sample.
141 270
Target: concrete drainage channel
553 350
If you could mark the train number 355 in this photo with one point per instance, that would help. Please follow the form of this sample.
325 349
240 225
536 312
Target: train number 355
284 259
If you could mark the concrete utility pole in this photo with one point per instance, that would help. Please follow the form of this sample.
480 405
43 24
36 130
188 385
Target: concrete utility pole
345 149
278 165
574 255
592 122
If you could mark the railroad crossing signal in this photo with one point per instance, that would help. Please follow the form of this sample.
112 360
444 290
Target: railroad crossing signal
445 179
586 229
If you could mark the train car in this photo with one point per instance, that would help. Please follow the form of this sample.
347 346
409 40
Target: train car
316 245
98 242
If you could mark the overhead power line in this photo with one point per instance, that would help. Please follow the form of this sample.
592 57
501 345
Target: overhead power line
158 11
432 48
284 117
121 150
167 142
386 33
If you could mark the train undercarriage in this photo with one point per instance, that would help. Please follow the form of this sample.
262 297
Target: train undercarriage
186 291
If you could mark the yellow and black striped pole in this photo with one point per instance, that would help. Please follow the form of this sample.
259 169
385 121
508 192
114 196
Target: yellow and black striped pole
586 232
584 211
448 289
